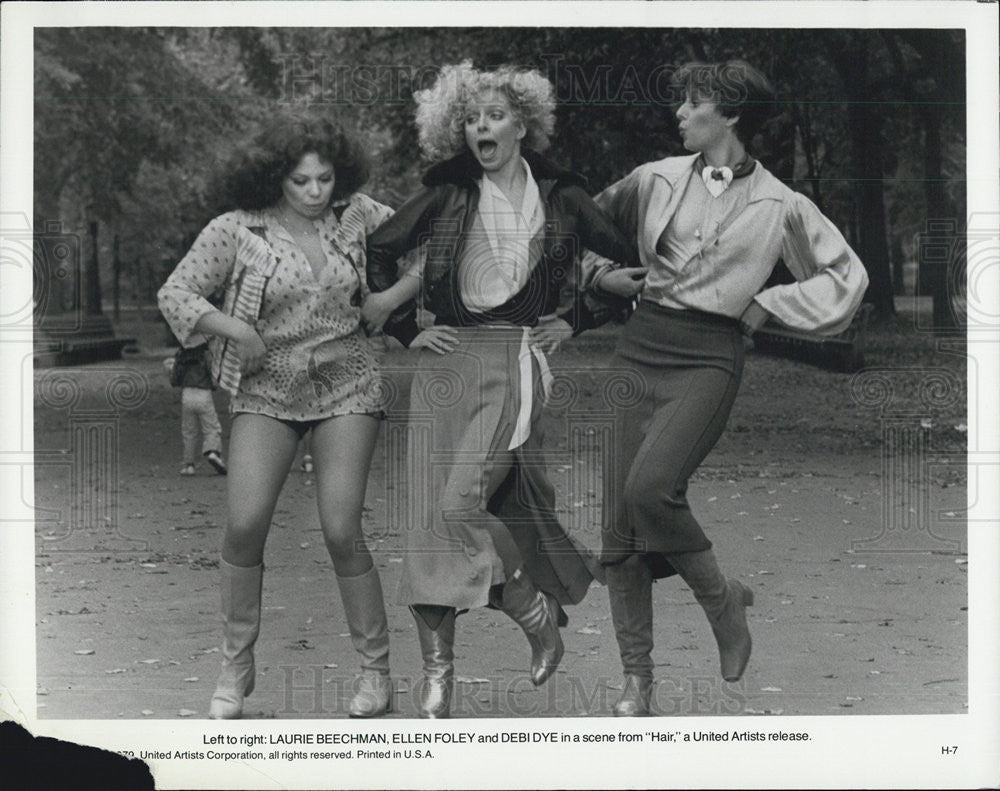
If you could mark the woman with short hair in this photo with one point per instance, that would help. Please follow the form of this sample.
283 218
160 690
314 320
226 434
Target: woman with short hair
710 227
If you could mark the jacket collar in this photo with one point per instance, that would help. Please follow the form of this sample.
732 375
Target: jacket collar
674 169
464 170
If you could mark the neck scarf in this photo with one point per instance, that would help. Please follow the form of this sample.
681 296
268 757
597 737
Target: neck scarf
717 180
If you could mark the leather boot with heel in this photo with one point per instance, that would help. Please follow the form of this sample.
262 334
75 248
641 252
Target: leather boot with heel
437 647
630 588
366 620
724 602
241 589
537 613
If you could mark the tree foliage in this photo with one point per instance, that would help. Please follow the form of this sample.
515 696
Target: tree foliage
130 122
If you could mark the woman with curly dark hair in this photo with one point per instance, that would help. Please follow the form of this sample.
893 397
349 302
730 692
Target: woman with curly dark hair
503 228
290 348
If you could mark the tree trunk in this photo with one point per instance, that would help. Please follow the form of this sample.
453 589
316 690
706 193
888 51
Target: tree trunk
870 206
803 122
781 160
865 126
943 57
92 307
935 274
116 263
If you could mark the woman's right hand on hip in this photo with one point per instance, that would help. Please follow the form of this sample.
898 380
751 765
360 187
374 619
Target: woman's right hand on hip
438 339
249 348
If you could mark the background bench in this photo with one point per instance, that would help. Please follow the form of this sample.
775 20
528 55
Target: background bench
843 352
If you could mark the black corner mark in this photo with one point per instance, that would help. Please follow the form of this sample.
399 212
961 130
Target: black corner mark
41 762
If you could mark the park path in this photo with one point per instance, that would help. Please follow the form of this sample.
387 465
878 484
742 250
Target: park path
792 497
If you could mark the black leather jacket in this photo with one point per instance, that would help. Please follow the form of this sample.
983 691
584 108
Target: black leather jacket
439 215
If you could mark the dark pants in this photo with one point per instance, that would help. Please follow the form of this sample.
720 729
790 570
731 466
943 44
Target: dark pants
688 366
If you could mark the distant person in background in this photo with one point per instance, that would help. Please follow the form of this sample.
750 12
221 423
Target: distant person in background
292 352
710 227
307 459
189 370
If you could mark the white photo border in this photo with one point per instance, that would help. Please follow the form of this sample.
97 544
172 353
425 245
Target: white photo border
871 751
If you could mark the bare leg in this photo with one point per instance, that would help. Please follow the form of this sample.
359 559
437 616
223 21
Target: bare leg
342 449
261 450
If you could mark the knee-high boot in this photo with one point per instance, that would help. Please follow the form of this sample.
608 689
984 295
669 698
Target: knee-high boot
537 614
241 589
437 647
630 588
724 602
366 621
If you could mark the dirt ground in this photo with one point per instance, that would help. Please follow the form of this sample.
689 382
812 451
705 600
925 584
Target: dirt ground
839 499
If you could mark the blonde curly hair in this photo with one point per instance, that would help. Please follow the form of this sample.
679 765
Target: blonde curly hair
441 108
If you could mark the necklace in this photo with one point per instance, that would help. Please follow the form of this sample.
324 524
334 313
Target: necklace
294 228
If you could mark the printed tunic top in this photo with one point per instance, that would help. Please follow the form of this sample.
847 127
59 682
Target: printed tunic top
319 362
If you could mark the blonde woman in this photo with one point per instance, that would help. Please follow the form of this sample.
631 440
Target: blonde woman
503 228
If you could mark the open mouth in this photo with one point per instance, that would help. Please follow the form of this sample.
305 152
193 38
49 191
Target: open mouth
487 148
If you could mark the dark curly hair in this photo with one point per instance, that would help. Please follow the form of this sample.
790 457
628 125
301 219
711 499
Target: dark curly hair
737 87
252 177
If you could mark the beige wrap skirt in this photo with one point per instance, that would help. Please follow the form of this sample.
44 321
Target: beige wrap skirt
466 481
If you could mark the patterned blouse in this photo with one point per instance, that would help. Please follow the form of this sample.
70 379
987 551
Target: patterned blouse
319 362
